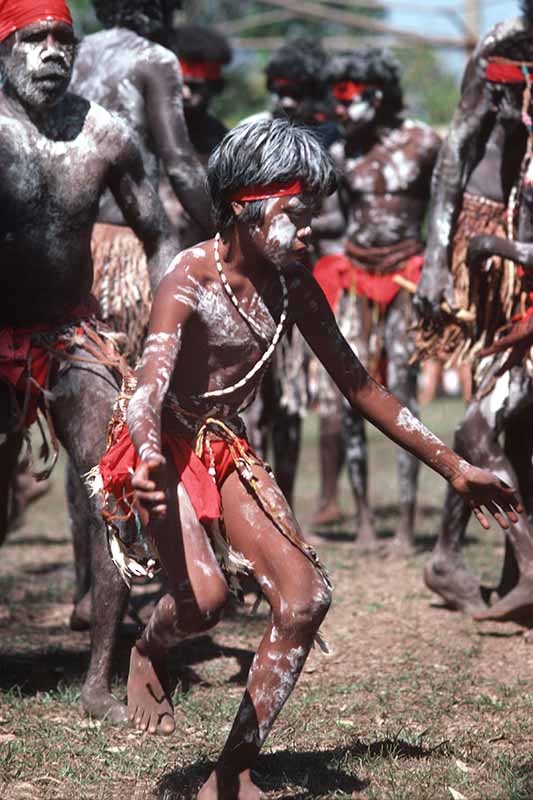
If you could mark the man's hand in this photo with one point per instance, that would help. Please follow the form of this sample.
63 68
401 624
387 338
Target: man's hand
482 247
434 289
150 483
479 487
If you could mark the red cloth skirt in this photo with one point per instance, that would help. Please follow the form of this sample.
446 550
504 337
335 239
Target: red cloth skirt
121 460
336 273
25 363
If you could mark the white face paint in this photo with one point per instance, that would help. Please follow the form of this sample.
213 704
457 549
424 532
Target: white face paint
286 225
32 56
281 232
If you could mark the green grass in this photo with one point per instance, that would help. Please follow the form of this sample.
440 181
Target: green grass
414 702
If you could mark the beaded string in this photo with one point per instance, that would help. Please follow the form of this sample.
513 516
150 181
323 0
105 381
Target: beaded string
267 355
229 291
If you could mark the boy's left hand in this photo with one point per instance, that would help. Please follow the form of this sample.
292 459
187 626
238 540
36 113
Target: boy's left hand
479 487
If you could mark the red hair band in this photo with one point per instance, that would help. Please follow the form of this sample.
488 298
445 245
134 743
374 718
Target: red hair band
264 192
16 14
349 90
285 83
201 70
506 71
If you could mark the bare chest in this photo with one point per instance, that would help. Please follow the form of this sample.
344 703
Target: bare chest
233 334
393 166
37 173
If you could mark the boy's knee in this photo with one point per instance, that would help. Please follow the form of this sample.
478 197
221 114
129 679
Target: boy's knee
305 612
212 602
206 608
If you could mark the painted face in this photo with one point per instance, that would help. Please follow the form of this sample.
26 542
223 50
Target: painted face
360 111
284 234
38 68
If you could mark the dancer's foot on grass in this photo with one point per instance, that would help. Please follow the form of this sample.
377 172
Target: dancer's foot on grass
149 705
220 786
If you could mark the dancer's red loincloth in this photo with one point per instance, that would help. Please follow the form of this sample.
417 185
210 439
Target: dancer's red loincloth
28 354
338 273
121 461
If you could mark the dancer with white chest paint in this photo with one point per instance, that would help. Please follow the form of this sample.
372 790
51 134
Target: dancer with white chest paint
198 487
386 162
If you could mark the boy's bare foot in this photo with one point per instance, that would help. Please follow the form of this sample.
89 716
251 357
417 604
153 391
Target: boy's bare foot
459 587
149 705
516 606
329 514
229 787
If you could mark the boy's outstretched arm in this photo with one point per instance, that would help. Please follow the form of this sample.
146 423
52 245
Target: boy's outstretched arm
173 304
319 327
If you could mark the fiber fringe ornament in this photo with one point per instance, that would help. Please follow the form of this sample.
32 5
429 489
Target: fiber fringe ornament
121 285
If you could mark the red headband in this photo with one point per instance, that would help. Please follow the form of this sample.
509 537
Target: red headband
264 192
349 90
285 82
201 70
16 14
503 71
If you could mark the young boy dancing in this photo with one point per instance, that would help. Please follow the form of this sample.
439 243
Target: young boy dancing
217 316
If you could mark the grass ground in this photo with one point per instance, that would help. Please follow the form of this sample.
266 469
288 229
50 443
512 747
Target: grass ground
416 703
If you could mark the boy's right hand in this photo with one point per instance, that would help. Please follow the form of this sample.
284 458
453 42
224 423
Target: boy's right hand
481 488
149 483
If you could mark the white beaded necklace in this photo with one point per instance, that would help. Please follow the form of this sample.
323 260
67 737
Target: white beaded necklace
267 355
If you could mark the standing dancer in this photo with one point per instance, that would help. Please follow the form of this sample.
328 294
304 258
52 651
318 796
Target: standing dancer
59 154
124 70
479 185
202 53
216 320
295 77
386 163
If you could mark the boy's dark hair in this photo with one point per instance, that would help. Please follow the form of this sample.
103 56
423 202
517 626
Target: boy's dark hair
148 18
200 43
374 66
262 153
302 60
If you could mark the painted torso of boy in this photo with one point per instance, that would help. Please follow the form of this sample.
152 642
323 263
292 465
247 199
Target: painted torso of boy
215 346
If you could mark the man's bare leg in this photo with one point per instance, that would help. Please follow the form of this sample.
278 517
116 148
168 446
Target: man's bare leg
356 450
352 312
331 451
79 512
432 371
402 380
299 599
477 439
85 398
198 592
286 439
